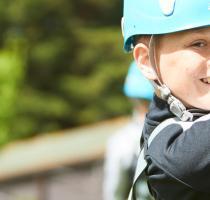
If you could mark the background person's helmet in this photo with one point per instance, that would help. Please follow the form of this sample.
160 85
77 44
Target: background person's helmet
150 17
136 85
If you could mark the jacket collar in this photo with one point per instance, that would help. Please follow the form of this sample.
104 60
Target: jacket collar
159 111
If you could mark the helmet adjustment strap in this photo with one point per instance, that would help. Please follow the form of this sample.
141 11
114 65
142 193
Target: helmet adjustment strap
162 91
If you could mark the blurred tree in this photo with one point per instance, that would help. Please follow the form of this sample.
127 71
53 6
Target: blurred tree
12 65
75 66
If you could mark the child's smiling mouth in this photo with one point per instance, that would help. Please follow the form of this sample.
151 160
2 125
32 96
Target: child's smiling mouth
206 80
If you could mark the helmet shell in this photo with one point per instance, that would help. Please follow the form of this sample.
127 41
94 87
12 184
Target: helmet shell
146 17
136 85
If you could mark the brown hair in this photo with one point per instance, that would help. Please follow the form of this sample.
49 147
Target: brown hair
141 39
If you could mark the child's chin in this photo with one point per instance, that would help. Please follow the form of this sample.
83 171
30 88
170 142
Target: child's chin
200 102
203 106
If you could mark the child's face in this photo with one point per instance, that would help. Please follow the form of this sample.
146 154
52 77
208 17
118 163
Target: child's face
184 66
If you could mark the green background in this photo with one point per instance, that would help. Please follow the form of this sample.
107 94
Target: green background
61 65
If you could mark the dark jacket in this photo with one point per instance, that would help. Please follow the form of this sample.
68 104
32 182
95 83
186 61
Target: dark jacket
178 158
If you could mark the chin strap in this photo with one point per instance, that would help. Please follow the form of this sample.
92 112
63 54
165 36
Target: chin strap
162 91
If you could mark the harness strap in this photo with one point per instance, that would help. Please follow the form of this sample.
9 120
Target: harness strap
142 163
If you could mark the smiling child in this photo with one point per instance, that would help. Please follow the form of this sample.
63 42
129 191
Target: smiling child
170 40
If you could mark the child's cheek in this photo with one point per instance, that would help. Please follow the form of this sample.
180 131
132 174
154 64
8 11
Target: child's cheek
194 65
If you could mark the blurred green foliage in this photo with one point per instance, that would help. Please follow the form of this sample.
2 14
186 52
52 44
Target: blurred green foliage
12 67
61 65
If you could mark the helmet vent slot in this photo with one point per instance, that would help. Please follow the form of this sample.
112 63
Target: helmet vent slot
167 6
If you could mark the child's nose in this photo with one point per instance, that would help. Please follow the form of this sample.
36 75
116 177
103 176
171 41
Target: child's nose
208 62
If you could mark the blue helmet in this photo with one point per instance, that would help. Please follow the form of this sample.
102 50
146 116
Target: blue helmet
150 17
136 85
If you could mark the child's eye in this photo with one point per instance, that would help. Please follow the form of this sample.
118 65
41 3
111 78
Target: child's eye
199 44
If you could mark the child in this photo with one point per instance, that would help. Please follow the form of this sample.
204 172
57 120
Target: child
123 147
170 40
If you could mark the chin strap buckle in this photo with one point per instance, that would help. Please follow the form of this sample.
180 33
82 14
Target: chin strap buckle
175 105
177 108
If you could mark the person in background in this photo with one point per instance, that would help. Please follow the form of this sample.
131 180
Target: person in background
123 147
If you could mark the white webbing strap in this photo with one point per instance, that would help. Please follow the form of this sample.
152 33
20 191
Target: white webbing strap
141 163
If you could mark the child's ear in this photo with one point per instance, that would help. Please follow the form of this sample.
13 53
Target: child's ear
141 55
